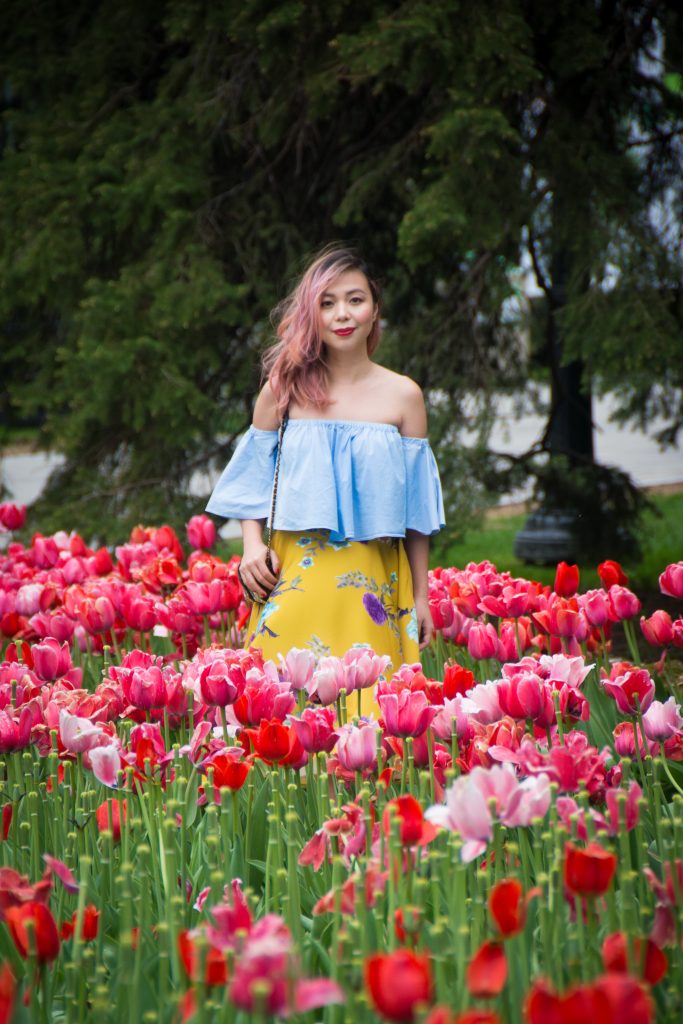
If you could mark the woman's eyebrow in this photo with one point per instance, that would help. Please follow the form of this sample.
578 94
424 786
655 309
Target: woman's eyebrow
329 295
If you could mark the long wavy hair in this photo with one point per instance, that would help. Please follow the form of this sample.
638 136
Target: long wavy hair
295 365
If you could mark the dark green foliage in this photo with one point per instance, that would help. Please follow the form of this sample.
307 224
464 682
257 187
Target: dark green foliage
166 167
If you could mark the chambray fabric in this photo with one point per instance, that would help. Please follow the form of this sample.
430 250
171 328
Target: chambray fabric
356 479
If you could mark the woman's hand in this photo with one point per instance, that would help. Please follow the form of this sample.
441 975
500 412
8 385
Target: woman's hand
254 569
425 626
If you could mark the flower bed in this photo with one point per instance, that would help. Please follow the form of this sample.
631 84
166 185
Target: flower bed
191 833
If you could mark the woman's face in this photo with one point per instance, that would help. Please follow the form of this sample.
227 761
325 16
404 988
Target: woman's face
347 312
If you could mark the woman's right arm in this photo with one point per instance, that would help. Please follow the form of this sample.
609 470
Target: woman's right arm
253 568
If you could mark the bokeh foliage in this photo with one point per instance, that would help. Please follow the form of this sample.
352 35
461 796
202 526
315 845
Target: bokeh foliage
167 166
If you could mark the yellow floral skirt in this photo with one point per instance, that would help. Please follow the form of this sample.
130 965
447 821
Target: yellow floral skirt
333 595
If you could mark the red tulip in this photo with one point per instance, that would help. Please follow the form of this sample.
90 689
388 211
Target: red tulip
415 831
615 958
12 517
89 925
487 971
588 872
215 965
508 907
566 580
102 817
443 1015
230 770
398 983
457 679
621 999
543 1006
271 740
44 941
7 812
482 640
611 573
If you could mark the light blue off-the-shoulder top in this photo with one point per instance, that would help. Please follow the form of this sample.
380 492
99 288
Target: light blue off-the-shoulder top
358 480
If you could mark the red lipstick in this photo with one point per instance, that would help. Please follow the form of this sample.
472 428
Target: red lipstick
343 332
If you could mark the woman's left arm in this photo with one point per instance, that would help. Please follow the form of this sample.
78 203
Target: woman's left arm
414 424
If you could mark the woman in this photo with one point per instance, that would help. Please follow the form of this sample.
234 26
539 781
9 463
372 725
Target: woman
358 488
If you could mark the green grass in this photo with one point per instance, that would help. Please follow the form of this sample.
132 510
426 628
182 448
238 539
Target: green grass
661 537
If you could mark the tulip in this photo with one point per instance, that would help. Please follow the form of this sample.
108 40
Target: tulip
357 746
677 632
12 517
487 971
230 769
525 696
456 680
215 964
451 711
407 713
315 729
145 688
6 822
105 762
298 667
217 685
15 732
615 957
633 690
588 872
89 925
611 573
398 983
201 532
566 580
414 830
78 734
671 580
43 942
482 641
623 603
657 630
622 999
328 680
625 741
50 659
271 740
362 668
508 907
102 816
543 1006
595 606
662 720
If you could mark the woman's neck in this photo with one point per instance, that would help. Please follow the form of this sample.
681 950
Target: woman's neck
347 368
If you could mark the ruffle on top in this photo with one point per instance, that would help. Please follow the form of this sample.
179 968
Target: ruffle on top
358 480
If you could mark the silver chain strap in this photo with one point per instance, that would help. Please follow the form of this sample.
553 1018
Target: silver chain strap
271 522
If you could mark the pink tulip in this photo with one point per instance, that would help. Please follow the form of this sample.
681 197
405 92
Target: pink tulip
595 606
297 667
201 532
623 603
671 580
217 686
407 713
625 741
362 668
78 734
28 599
631 812
106 764
465 811
529 801
327 681
145 688
315 729
525 696
635 684
482 703
357 746
15 731
202 598
263 697
657 630
451 711
138 610
53 624
677 632
50 659
482 641
662 720
97 614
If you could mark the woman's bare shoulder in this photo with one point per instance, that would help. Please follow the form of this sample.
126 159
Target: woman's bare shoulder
409 402
265 410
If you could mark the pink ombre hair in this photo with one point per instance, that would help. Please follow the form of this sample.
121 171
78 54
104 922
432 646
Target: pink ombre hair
295 364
